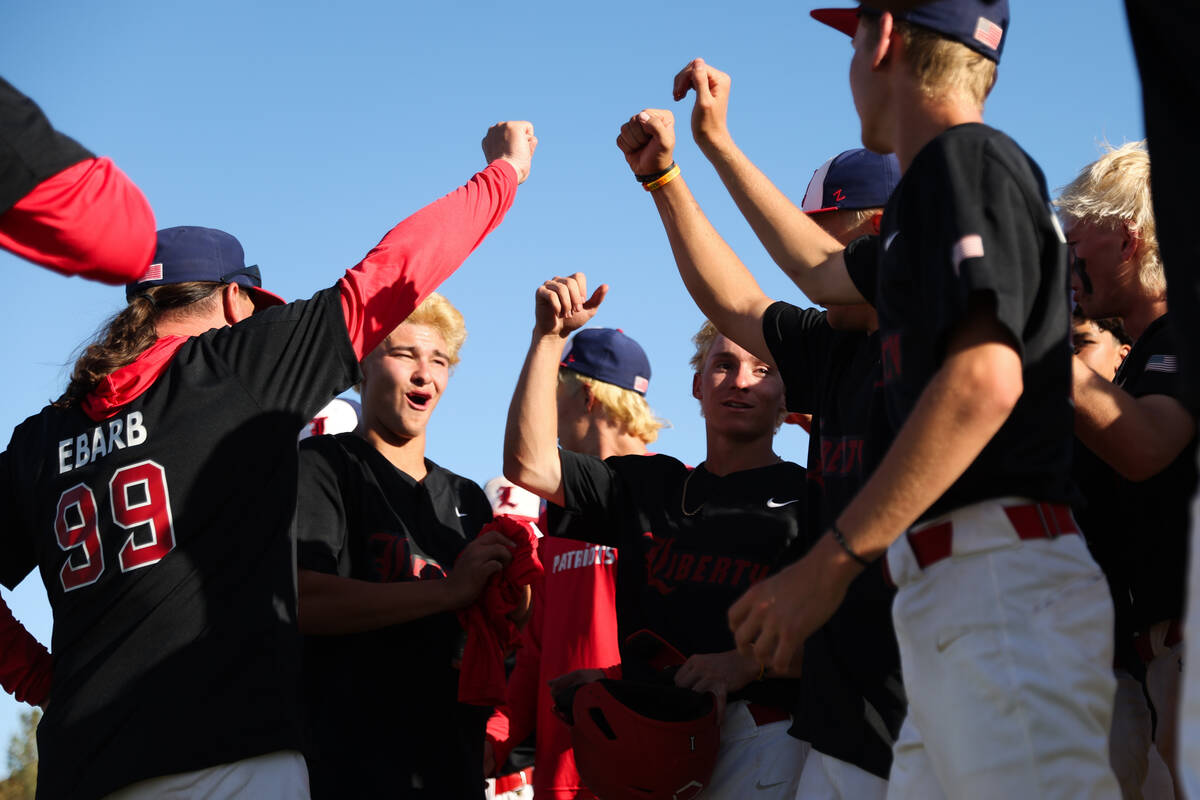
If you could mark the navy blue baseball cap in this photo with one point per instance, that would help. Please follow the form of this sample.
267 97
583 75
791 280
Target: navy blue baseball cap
190 253
852 180
608 355
981 25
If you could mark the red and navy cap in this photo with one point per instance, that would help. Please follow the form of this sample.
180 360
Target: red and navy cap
852 180
981 25
608 355
189 253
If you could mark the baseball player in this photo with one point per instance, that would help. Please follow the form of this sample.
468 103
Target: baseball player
61 206
603 377
967 274
1138 423
852 702
379 526
156 494
691 540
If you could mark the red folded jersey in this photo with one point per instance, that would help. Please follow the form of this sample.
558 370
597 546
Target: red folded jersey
490 633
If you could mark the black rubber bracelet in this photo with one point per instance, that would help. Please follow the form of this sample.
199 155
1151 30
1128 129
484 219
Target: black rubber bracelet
840 538
654 175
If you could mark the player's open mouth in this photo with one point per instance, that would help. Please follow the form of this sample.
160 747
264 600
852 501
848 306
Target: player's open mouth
736 404
418 400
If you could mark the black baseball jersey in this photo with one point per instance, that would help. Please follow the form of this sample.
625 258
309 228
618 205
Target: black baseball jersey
383 705
1098 510
852 700
971 219
162 538
1155 512
690 543
30 149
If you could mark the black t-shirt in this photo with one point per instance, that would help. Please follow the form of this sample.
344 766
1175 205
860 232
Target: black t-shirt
971 219
30 149
383 705
175 644
1155 512
685 558
852 700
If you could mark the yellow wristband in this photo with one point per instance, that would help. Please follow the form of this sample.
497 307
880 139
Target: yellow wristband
664 180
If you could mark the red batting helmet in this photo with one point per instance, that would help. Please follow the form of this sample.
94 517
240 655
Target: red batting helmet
638 740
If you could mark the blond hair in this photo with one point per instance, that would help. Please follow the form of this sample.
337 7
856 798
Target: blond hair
703 340
1113 190
942 67
625 407
438 313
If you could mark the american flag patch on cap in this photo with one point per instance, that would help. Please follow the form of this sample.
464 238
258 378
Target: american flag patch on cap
1162 364
988 33
153 273
640 384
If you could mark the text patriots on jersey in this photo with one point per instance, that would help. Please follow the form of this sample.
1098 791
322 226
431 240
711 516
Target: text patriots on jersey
596 556
107 437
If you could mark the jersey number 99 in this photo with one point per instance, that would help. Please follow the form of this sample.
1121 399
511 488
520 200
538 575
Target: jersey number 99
140 504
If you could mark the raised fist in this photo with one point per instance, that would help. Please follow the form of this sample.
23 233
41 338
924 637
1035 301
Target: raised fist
648 141
562 305
514 142
712 86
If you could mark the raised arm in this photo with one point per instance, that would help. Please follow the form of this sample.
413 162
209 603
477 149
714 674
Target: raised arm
531 456
423 250
806 253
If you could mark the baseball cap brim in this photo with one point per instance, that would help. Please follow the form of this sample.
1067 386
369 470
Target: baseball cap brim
842 19
262 298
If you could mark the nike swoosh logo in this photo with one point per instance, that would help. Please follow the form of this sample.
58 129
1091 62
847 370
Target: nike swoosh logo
887 243
456 511
772 503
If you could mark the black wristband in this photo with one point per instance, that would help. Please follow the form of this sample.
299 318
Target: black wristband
840 538
653 176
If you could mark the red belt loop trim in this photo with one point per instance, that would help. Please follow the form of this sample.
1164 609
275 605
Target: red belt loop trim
1032 521
506 783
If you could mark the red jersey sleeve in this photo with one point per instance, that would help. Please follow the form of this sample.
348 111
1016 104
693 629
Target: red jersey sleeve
421 252
90 220
26 667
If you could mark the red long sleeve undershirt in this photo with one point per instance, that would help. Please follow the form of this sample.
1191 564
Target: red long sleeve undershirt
422 251
89 220
26 666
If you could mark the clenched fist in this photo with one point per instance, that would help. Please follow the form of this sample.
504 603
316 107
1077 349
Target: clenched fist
648 141
514 142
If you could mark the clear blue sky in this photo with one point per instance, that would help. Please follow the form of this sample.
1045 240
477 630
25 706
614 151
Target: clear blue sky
308 129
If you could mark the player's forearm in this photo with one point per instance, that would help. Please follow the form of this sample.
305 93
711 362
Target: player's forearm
970 397
330 605
531 434
419 253
715 277
804 251
26 667
1137 436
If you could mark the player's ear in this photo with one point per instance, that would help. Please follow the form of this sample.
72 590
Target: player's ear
876 219
889 40
236 303
696 393
1130 241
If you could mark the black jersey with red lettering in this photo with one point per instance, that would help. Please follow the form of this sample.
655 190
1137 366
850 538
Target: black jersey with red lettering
161 534
852 699
1155 512
970 222
383 705
690 543
30 149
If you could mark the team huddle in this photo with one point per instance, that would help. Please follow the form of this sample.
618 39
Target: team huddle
953 599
